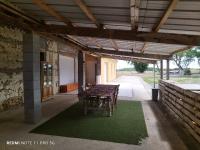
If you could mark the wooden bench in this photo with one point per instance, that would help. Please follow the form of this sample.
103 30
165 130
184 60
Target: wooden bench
68 87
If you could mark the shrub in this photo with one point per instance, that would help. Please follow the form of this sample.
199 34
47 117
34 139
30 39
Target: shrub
187 71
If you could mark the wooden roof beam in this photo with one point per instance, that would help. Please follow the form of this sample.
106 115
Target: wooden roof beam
144 46
94 41
181 49
114 44
166 14
148 61
125 53
88 12
79 46
157 37
90 15
9 20
134 13
5 5
50 10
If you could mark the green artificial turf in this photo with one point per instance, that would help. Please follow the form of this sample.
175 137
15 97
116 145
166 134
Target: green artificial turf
127 124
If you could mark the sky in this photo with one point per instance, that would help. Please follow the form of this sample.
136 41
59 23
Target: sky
123 64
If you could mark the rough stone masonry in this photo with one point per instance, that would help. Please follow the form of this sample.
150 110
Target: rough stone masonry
11 78
11 69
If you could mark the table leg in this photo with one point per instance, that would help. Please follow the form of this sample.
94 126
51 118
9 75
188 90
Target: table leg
85 107
116 100
109 109
112 107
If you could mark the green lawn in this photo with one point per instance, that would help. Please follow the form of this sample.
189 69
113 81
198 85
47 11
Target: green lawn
148 76
187 79
150 79
184 79
127 124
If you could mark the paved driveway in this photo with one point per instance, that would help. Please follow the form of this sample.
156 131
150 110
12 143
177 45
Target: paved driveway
133 88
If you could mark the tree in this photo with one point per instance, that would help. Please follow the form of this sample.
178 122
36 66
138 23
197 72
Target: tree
139 67
183 59
197 53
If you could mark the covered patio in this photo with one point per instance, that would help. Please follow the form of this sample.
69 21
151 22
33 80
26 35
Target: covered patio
147 31
13 128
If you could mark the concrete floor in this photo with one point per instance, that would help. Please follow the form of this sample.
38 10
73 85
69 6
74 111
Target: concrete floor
162 135
133 88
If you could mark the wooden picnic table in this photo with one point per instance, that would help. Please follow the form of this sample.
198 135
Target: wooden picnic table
101 97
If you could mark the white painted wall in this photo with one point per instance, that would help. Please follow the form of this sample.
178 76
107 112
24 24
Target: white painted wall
66 65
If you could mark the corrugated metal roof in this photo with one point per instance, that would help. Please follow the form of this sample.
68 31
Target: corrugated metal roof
182 14
181 27
115 14
154 4
135 46
188 5
108 3
110 11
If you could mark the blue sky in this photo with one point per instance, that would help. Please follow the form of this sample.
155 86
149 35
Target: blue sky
124 64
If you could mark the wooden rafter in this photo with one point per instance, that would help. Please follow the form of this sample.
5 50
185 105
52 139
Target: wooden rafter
67 41
50 10
73 39
8 20
181 49
79 46
113 41
166 14
94 41
149 61
87 12
114 44
5 5
144 46
90 15
125 53
134 13
27 27
157 37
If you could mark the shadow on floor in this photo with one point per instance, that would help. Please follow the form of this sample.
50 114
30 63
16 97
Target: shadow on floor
163 116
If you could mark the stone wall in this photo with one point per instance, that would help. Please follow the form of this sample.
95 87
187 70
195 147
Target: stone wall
11 69
11 61
11 77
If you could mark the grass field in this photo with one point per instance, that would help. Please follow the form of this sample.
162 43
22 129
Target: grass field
148 77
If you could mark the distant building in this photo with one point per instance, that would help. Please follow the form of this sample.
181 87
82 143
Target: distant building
108 70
